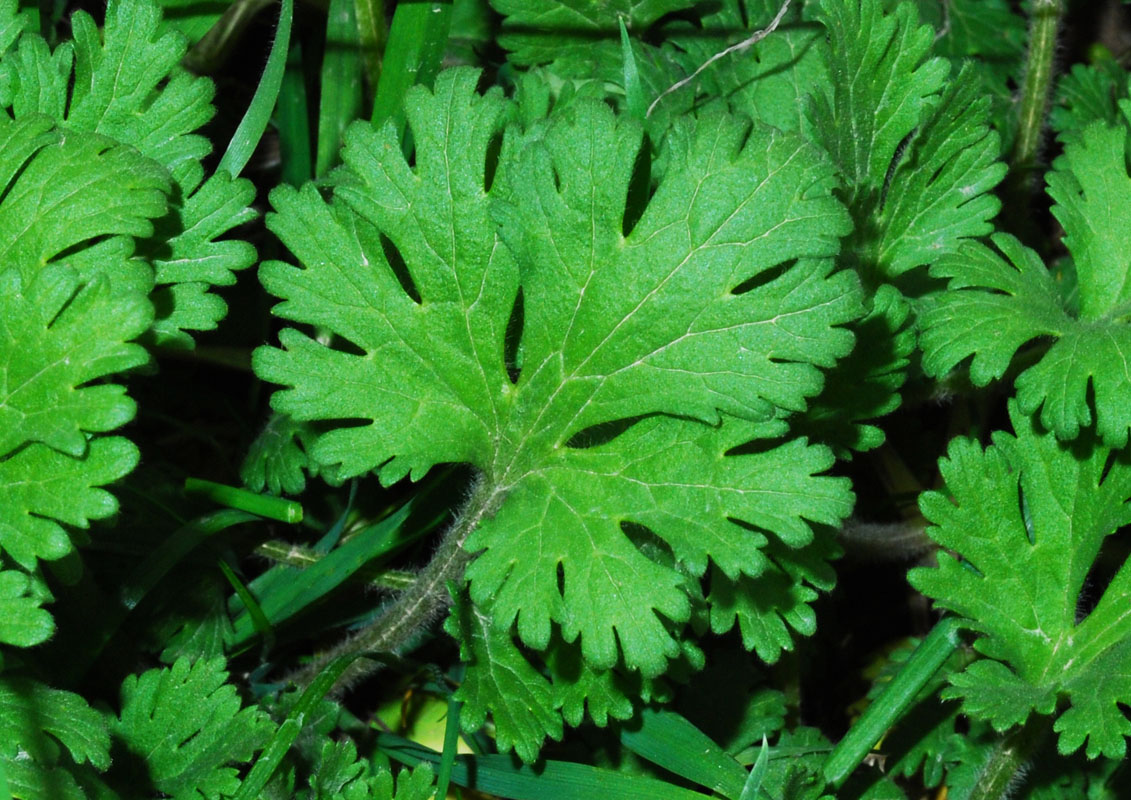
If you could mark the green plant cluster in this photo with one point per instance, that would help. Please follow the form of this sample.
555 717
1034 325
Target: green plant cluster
605 339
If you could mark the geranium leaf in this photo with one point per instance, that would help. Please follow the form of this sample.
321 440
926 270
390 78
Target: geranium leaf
1027 517
637 362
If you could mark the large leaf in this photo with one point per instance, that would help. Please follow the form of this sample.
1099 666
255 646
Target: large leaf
1002 299
637 362
1027 517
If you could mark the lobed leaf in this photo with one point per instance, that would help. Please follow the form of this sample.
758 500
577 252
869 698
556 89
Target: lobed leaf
1027 517
187 725
36 719
996 305
126 84
500 680
23 622
634 364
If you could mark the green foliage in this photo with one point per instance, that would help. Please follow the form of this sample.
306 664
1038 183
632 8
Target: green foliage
608 335
186 724
1028 516
682 300
996 305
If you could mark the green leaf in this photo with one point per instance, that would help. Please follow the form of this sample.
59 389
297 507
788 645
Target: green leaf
918 162
501 681
22 622
35 720
279 457
768 605
571 32
189 256
57 337
670 741
995 305
186 724
73 199
128 86
41 487
1027 517
614 328
1089 93
772 80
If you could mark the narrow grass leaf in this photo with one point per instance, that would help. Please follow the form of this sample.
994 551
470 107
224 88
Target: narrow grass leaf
262 505
255 612
258 114
669 740
292 122
753 787
931 653
451 742
283 591
340 102
551 780
413 55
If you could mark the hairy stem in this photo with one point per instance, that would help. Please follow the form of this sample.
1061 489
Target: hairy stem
1009 759
415 607
1043 27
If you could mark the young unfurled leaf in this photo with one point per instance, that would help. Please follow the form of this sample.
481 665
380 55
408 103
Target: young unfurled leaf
1027 519
186 724
718 309
1001 299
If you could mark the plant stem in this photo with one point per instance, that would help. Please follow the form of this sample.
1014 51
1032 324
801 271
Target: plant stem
1010 755
416 606
1044 24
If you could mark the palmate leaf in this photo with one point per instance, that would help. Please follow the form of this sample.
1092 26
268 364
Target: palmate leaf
1001 299
1027 516
126 84
918 162
186 725
666 333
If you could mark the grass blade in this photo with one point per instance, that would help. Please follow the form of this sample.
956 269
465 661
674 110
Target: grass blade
254 122
928 657
667 739
753 786
283 590
341 82
413 55
552 780
292 121
262 505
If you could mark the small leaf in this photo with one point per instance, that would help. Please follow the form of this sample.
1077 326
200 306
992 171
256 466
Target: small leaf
33 717
186 724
